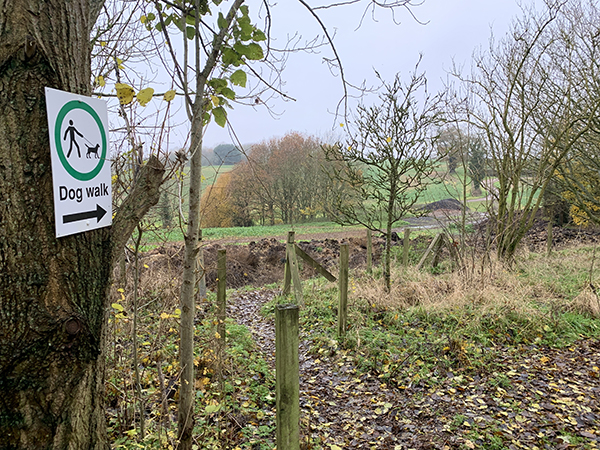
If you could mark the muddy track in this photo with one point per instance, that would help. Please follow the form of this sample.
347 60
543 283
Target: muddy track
556 391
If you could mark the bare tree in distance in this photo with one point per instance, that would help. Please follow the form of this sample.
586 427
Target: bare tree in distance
388 158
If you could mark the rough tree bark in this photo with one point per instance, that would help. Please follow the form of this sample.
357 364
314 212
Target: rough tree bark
53 292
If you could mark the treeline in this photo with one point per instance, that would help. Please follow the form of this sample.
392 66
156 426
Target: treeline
222 155
282 181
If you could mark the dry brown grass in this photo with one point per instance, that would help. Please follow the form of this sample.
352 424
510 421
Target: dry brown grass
412 288
587 302
532 293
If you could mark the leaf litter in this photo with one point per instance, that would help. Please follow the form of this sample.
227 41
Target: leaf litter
535 398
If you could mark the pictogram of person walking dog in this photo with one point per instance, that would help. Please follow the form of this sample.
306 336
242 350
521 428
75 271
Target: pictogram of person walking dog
71 131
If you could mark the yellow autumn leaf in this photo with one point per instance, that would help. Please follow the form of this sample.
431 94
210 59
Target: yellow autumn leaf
388 139
215 100
143 19
124 93
100 81
144 96
102 44
169 95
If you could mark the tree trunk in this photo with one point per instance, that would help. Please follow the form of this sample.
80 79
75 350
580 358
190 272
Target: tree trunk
53 292
186 419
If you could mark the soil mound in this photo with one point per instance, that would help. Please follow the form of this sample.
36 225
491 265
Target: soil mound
262 262
449 204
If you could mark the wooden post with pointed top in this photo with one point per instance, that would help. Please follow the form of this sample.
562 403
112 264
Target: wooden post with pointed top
221 312
369 252
291 272
343 286
549 233
287 377
406 246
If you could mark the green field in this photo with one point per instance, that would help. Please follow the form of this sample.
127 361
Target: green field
442 188
159 235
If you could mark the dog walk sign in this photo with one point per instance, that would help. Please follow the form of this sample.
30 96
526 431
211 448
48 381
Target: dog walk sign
81 178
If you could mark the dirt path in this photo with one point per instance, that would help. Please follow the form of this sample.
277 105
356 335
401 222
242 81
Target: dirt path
338 407
545 398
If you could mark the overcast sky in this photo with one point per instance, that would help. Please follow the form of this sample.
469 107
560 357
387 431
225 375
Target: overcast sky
452 29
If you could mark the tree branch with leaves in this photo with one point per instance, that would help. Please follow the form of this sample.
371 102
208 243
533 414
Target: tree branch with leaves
388 158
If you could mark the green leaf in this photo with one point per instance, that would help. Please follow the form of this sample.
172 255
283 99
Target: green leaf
231 57
190 19
228 93
239 78
150 17
245 10
220 116
178 22
258 36
158 27
252 51
190 32
246 28
221 21
217 84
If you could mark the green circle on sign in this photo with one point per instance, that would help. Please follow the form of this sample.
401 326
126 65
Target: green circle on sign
78 104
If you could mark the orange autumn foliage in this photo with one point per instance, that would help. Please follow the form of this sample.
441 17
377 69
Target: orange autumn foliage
217 208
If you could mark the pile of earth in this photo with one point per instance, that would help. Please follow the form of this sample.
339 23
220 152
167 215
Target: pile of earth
537 236
262 262
562 236
448 204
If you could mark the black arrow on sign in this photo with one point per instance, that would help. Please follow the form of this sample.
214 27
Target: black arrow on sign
98 214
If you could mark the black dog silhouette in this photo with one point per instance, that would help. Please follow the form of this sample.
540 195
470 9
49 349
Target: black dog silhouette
93 150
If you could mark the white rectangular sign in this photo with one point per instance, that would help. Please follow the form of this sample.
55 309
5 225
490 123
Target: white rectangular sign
81 177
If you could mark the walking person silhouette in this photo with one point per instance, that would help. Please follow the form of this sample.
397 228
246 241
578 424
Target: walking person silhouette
71 130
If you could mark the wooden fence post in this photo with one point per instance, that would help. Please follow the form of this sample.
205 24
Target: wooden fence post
406 245
291 272
343 286
434 244
549 236
287 377
369 252
200 272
